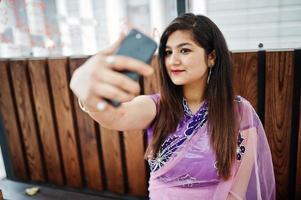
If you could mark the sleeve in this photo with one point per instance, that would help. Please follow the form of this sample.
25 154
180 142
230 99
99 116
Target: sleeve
156 99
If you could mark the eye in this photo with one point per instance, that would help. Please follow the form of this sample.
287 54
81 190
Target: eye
168 52
185 51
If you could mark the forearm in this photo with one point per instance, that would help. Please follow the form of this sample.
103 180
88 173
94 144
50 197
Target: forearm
107 118
128 116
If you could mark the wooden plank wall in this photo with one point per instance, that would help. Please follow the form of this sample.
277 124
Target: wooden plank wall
51 140
279 96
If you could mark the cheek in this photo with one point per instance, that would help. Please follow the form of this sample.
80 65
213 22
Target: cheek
196 64
166 62
197 69
167 67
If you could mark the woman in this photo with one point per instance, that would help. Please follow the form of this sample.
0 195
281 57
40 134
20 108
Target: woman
204 142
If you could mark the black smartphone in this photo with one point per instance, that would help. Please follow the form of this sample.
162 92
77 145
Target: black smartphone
139 46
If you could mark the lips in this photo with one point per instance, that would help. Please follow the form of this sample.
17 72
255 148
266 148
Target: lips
176 71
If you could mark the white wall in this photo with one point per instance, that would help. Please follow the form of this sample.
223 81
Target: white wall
275 23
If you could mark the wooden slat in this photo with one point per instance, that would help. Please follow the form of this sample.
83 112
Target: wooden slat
112 158
134 157
298 174
10 124
88 141
27 121
63 113
45 120
134 143
279 93
245 76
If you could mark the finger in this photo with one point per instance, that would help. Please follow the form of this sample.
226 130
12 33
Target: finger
111 49
126 26
119 80
120 63
111 92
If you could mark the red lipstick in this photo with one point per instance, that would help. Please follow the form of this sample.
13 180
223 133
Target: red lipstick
176 71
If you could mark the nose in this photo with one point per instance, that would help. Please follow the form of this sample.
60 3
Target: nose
174 59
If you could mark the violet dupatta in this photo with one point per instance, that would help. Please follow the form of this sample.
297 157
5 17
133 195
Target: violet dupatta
252 177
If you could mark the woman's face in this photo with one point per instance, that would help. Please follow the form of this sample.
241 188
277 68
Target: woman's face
185 60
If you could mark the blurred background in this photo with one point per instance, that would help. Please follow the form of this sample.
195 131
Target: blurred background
82 27
46 139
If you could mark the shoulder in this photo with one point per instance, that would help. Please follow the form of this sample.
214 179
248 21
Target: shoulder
149 99
155 97
243 103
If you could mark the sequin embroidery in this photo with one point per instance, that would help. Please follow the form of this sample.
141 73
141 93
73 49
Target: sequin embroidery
174 142
240 150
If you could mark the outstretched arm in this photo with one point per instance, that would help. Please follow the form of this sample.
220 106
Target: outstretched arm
99 79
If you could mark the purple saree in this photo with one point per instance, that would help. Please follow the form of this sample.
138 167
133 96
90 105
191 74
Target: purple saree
185 166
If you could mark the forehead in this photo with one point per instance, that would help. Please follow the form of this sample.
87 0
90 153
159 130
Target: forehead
179 37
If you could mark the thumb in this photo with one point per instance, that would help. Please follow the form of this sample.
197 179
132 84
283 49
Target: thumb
111 49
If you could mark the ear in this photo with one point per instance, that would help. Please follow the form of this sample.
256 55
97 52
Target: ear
211 58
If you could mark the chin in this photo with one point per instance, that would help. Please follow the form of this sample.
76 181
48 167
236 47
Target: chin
178 82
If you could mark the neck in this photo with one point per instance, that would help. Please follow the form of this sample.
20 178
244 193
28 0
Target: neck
194 93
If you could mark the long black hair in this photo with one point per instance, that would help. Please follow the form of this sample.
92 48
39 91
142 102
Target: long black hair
218 93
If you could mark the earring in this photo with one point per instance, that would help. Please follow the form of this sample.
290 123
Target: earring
208 79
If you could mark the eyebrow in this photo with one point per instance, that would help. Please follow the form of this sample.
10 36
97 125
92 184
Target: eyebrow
180 45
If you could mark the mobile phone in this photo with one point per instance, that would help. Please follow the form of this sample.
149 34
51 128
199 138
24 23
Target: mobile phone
139 46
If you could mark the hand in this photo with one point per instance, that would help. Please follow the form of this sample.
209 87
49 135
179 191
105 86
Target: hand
98 78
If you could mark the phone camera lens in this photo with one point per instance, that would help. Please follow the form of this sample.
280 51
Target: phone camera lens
138 35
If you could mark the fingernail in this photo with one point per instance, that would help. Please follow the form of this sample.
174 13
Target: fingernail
110 60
